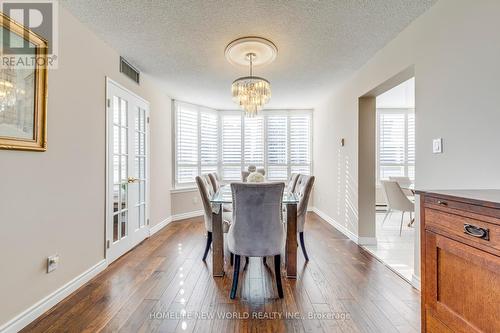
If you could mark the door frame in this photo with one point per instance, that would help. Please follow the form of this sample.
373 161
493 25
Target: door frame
107 230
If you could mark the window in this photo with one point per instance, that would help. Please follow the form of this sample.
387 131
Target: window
226 142
395 143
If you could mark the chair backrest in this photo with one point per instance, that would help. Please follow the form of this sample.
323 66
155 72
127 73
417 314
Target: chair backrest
402 181
244 176
303 188
292 181
206 192
256 229
395 197
215 181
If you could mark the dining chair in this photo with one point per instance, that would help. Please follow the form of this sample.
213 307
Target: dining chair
244 176
206 192
396 200
257 229
302 189
292 181
404 183
214 180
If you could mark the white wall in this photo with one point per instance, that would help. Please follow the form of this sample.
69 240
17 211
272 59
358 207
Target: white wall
454 48
53 202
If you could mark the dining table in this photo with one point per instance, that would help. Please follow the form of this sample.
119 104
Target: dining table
224 197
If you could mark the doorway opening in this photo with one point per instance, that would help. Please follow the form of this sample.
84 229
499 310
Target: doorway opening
387 174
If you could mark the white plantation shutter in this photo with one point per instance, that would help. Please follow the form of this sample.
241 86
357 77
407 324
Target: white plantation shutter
209 141
253 142
396 143
300 144
277 147
186 143
231 147
226 142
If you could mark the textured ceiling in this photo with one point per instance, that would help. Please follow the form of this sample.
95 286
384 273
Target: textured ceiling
182 42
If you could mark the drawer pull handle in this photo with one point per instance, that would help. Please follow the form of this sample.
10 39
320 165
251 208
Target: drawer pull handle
477 232
442 203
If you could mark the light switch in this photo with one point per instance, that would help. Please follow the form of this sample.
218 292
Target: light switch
437 146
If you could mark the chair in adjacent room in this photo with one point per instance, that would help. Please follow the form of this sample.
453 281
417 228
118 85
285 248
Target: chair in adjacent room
396 200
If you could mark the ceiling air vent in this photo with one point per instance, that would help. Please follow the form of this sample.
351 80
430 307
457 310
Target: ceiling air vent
129 70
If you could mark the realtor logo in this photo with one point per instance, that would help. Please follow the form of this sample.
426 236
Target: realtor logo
40 17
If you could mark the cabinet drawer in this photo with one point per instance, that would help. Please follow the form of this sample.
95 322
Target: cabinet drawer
473 231
491 215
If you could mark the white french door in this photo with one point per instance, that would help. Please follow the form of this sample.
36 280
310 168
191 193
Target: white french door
127 182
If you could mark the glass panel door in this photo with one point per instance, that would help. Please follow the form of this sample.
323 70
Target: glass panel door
127 175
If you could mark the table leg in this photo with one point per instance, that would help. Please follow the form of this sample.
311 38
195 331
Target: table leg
291 241
217 244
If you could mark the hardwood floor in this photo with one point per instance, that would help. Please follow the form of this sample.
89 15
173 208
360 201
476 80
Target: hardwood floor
163 286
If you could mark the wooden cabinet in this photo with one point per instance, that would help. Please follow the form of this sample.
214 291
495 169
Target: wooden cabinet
460 261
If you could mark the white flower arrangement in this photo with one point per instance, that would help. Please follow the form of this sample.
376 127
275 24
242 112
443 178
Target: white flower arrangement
256 177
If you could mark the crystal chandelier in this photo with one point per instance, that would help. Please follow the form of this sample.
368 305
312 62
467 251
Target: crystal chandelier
251 92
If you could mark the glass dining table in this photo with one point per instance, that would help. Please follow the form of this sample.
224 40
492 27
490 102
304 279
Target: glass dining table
224 197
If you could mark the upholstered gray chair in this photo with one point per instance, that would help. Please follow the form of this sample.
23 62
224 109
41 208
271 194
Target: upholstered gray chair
257 229
303 189
206 192
292 181
214 180
244 176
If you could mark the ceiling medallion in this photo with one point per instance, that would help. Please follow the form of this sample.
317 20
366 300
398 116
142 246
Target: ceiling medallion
251 92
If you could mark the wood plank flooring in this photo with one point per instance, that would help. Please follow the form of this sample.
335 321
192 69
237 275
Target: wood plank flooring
163 286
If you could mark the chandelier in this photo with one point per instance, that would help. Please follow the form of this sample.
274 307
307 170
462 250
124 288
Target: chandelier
251 92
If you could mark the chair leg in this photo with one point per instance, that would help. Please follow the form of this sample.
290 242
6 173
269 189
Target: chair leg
264 260
209 241
231 258
386 216
246 264
303 246
236 274
277 273
401 226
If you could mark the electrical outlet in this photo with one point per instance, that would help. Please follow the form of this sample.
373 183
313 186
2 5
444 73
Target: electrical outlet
52 263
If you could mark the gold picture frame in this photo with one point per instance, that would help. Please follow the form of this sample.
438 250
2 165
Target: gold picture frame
34 134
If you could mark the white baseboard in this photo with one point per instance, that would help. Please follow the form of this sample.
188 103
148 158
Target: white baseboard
188 215
24 318
367 240
173 218
415 281
154 229
352 236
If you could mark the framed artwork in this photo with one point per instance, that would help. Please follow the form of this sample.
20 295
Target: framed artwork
23 89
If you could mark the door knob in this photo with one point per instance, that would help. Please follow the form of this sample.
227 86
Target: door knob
132 179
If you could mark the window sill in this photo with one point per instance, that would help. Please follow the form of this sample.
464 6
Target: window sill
183 190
